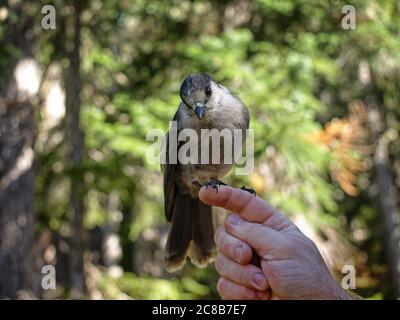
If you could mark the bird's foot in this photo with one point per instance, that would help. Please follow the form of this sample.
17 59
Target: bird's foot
248 190
215 184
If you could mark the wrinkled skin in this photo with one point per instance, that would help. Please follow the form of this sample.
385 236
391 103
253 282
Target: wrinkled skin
291 265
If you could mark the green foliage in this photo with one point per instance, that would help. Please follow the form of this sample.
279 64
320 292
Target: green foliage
146 288
290 62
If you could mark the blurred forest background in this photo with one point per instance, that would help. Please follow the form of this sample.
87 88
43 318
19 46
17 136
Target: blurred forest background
76 103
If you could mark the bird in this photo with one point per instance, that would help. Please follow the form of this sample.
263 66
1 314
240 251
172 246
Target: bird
205 104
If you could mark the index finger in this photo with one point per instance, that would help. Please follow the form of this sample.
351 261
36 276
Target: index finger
250 207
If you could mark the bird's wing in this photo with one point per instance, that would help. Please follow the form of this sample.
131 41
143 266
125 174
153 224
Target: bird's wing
169 174
169 171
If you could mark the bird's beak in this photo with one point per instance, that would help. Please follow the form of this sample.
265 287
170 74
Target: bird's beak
199 110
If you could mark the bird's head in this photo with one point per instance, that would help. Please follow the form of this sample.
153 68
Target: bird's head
195 93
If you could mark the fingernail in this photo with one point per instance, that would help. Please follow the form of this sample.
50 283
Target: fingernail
234 220
237 253
259 280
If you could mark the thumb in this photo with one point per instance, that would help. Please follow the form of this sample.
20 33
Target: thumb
251 208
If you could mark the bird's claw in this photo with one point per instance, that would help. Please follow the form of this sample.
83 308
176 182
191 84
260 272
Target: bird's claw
248 190
215 184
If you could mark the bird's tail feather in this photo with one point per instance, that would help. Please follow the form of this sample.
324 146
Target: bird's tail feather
191 234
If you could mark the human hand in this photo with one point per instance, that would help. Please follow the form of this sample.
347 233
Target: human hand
291 265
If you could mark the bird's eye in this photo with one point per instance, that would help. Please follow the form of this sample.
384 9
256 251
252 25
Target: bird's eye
208 91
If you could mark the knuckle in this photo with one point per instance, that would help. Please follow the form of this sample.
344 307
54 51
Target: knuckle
292 247
225 247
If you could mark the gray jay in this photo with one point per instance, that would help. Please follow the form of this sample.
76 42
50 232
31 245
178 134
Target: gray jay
205 104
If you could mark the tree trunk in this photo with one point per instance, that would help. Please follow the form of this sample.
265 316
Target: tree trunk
75 153
383 178
17 124
16 199
386 203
